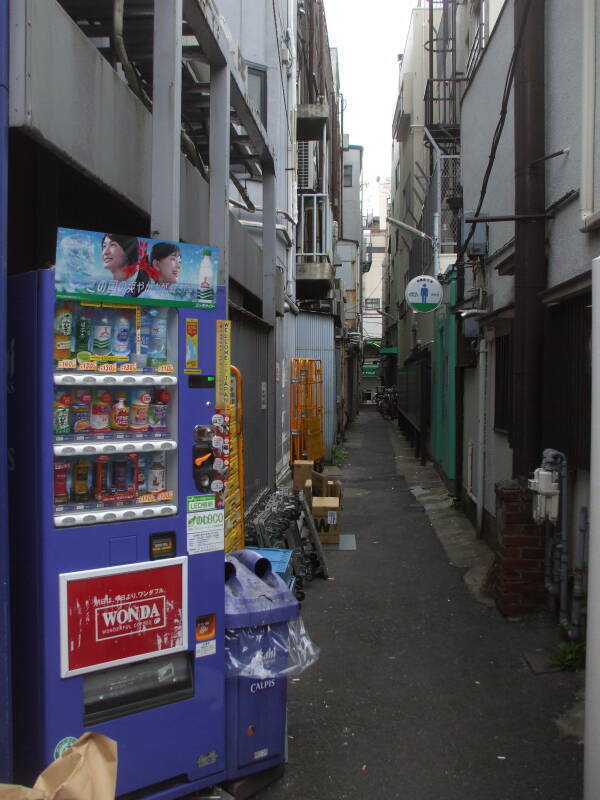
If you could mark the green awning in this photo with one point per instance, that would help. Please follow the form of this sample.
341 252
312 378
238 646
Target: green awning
390 351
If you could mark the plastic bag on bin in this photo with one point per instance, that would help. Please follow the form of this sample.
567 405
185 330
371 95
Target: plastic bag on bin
283 650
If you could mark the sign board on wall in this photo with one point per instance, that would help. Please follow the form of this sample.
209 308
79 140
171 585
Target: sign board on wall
223 363
424 293
117 615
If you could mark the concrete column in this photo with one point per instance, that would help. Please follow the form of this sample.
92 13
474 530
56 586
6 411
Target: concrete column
166 119
269 242
218 214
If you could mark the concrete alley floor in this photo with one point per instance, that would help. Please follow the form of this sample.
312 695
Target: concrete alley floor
422 691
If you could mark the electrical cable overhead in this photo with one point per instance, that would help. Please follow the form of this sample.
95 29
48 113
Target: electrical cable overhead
499 128
287 114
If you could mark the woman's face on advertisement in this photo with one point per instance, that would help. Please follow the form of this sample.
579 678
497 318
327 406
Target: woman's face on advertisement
113 256
169 268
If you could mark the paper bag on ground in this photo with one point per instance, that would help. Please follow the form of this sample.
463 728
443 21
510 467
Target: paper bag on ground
9 791
87 771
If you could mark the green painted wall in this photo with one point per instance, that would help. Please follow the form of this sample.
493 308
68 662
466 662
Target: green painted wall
443 390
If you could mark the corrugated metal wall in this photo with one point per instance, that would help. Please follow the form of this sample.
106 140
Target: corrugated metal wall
315 338
249 351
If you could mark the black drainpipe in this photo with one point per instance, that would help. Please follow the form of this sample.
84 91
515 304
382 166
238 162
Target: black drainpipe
530 256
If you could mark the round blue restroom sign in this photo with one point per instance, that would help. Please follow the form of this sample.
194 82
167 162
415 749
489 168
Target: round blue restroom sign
424 293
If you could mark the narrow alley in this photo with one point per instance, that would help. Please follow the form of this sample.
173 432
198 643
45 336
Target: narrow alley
421 691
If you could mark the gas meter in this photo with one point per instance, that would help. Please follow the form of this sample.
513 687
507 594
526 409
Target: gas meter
544 485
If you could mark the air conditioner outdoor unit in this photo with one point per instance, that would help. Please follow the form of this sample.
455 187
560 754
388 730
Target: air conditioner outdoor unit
307 166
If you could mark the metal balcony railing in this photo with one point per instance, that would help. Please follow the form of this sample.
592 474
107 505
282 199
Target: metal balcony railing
315 229
443 183
442 102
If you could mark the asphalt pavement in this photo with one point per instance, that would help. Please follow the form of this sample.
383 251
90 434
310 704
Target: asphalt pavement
422 690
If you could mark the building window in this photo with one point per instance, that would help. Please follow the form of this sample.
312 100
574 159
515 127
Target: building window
372 303
347 175
257 91
504 383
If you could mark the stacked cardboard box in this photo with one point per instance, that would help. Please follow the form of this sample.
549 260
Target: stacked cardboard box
324 497
326 514
302 471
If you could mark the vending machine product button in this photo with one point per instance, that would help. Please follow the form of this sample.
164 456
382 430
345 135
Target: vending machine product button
148 512
109 448
148 446
88 519
89 379
67 451
128 446
89 448
129 379
109 517
148 379
109 379
129 515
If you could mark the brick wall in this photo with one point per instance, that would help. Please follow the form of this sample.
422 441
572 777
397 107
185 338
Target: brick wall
517 580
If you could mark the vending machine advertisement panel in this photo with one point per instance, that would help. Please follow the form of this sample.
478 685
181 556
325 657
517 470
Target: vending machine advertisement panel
117 508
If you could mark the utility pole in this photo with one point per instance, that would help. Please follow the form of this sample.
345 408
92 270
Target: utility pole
530 256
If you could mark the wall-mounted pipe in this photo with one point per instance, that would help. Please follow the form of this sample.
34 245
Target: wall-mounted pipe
480 491
556 461
578 575
590 219
550 580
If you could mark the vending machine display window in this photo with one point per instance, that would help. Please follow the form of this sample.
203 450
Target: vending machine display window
115 412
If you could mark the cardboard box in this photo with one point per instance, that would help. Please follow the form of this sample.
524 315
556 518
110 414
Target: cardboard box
302 471
334 489
308 493
319 484
326 514
332 473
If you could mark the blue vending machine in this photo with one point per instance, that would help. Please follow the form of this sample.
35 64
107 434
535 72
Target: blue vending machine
116 510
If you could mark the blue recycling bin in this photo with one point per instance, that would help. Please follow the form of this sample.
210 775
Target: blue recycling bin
258 607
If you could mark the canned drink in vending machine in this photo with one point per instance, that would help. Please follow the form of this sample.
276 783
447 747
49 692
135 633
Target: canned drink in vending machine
119 476
138 413
142 484
100 416
157 475
61 487
157 413
81 481
62 415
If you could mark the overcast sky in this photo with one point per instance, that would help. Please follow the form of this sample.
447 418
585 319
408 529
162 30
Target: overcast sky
368 37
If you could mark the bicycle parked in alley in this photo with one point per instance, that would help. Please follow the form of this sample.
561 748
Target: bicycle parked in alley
386 401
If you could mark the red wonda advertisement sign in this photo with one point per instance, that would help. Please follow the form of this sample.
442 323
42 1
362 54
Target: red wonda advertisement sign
117 615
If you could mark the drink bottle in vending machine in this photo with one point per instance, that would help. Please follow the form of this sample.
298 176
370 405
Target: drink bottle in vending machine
111 570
